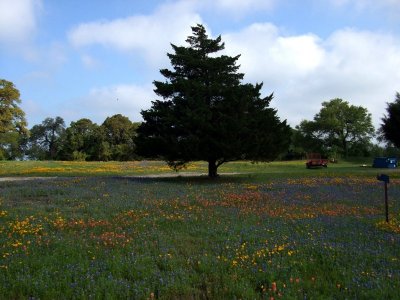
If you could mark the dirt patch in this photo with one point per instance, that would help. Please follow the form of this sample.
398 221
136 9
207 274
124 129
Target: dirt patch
25 178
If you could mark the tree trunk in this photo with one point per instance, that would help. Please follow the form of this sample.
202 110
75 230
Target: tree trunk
345 150
212 168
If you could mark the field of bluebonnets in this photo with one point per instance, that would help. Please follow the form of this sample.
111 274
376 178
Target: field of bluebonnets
274 231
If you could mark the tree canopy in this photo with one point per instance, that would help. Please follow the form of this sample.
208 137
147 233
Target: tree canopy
45 139
207 113
391 122
118 134
13 129
80 141
339 127
83 140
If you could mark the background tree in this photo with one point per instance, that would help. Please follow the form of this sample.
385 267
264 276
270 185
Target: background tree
390 126
207 113
80 141
119 133
45 140
340 127
13 129
306 138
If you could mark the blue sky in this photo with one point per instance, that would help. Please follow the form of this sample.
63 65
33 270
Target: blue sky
93 59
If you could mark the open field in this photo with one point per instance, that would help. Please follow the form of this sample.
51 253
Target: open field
101 230
143 168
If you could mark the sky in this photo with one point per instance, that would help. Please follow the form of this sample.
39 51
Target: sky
97 58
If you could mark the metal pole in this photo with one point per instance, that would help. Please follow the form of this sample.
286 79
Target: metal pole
386 203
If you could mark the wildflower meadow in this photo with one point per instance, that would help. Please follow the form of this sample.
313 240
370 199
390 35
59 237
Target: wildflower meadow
258 234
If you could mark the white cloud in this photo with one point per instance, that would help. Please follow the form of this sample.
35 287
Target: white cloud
18 20
241 7
368 4
303 71
265 53
33 108
150 34
89 61
48 61
98 104
103 102
55 55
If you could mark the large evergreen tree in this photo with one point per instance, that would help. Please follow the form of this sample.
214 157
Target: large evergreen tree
207 113
391 122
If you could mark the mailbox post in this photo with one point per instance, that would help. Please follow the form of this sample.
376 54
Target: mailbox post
385 179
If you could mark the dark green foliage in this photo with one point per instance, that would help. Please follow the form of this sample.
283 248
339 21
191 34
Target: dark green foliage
339 128
118 136
83 140
80 141
305 137
13 131
391 122
45 140
207 113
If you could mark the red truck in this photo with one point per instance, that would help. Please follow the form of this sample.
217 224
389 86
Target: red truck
315 160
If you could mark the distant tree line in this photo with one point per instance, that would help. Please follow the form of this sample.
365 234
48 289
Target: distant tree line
83 140
206 113
342 130
338 130
52 140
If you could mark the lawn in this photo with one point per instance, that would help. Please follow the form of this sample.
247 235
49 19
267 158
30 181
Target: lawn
103 230
144 168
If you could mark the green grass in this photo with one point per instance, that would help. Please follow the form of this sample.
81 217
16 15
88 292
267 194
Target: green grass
140 168
74 168
275 230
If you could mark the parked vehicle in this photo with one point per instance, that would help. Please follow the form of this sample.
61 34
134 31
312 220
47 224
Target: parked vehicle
316 160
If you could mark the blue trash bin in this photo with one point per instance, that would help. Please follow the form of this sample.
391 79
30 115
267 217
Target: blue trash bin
385 162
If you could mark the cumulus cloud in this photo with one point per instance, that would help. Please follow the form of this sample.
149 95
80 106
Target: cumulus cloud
18 20
368 4
103 102
149 34
240 7
303 71
48 60
89 61
152 34
267 54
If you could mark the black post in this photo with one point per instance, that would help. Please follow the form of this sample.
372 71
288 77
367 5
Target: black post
385 179
386 204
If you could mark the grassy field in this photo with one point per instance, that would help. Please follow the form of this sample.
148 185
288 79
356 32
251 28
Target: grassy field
273 231
143 168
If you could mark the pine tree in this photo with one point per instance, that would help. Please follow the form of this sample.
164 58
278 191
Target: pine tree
390 123
207 113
